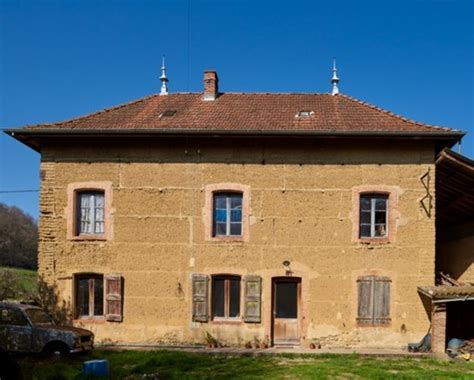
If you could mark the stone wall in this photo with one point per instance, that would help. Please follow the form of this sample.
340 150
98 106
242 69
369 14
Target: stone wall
301 206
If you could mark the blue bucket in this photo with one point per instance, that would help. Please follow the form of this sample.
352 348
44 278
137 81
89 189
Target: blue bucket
96 368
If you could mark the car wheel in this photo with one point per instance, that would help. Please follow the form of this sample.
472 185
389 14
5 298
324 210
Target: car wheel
56 350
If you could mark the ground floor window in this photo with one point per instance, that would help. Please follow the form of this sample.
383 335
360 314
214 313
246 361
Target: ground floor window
373 300
225 297
89 295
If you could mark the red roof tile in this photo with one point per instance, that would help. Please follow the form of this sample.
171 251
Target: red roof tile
246 112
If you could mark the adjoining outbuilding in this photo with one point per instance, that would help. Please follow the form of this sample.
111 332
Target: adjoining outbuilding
452 300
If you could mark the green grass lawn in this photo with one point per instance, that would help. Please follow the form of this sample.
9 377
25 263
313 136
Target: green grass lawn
183 365
24 283
28 277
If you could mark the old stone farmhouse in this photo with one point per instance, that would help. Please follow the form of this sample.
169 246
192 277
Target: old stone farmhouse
286 218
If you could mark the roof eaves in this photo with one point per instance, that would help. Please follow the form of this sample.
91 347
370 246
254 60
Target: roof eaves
450 155
208 131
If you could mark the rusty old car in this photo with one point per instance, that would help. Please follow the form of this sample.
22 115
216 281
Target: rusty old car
29 329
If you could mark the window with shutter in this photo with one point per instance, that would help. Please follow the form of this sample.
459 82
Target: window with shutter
200 284
373 300
252 298
89 295
113 297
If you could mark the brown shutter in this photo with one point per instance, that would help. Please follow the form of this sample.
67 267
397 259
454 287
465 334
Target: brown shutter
200 297
252 300
381 300
113 297
365 308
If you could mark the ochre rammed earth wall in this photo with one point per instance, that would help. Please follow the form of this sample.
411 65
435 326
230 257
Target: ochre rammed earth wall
300 209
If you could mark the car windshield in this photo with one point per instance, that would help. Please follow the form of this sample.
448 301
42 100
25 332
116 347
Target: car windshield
39 317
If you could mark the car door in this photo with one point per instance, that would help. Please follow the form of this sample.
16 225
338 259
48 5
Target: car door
15 330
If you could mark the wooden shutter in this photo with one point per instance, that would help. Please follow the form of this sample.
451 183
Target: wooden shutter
381 300
373 300
365 308
200 297
113 297
253 298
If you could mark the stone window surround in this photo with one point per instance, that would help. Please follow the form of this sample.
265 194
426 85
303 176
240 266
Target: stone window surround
208 210
393 214
71 209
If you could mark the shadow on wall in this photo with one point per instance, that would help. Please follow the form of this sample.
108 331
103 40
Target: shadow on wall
45 296
456 258
284 150
426 305
48 299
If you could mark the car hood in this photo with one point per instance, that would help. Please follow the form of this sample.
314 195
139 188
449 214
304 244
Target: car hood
76 330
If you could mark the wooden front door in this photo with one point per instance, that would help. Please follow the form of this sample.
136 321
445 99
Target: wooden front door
286 305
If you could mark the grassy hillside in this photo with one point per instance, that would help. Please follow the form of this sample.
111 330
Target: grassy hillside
22 281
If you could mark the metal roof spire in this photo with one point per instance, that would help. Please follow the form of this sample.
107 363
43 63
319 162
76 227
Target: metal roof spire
163 78
334 79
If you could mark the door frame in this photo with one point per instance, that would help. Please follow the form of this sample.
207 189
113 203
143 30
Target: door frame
276 279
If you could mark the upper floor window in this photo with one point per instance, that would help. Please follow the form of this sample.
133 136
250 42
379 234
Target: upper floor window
91 213
373 216
89 210
227 211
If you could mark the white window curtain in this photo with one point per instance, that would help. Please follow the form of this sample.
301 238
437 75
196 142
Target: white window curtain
91 213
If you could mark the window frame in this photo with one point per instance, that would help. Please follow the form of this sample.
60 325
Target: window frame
392 213
373 200
73 210
91 277
92 212
228 213
227 279
208 212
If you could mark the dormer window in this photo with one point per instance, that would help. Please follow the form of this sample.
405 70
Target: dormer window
168 113
304 113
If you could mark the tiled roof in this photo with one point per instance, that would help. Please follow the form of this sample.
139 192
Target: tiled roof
247 112
447 291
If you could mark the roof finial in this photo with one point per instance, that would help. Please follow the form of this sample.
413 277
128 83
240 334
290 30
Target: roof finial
334 79
163 78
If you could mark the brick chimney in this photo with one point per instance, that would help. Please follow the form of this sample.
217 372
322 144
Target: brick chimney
211 88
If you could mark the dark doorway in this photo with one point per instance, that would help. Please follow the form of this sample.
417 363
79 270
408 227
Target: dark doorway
460 320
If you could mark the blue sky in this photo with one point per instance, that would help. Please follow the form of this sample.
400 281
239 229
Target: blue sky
61 59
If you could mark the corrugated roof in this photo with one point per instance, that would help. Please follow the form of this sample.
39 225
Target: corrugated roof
447 291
